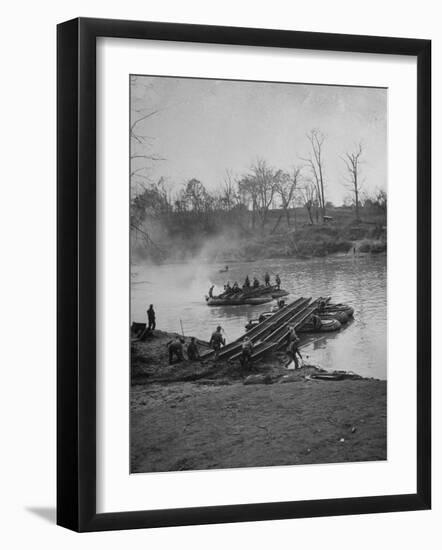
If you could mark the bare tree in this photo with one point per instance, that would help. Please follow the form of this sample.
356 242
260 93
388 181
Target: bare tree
146 210
309 194
352 163
229 191
259 185
315 161
141 145
248 191
149 201
286 187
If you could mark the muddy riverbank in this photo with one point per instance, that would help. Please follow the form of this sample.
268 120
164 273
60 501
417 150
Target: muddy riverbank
202 415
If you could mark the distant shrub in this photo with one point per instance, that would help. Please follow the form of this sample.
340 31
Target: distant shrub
253 249
322 247
357 232
340 245
375 247
378 247
365 247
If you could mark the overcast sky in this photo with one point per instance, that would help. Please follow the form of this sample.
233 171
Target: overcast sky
204 127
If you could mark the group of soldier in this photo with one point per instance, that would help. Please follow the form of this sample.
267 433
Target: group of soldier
217 340
176 350
235 288
176 347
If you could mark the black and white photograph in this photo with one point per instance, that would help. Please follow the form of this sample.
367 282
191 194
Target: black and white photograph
218 219
258 239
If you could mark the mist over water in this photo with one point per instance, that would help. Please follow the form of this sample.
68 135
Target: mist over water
178 292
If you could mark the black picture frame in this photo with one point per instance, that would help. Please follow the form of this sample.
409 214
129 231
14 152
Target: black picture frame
77 287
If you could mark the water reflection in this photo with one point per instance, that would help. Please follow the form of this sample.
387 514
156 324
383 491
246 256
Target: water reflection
178 291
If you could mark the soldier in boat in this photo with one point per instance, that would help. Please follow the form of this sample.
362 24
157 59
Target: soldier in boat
216 341
255 282
316 321
192 350
211 291
278 281
267 279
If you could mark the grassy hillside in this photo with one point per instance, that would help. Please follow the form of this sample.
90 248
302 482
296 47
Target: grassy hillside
340 235
228 238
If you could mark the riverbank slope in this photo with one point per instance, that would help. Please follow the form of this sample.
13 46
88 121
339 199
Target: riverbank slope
277 238
203 415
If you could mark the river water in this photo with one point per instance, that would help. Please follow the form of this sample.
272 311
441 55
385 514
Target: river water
178 290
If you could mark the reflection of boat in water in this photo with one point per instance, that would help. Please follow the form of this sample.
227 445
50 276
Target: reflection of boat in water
238 300
279 293
252 296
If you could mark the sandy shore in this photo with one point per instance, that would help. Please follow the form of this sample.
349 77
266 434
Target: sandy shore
203 415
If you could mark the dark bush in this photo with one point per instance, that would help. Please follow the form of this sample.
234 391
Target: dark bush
377 248
365 247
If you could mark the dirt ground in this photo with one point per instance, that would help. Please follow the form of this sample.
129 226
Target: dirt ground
194 416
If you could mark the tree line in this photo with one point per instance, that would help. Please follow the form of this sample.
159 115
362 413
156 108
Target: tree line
245 202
